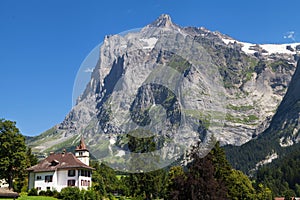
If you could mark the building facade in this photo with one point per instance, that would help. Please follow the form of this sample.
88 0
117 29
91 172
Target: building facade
60 170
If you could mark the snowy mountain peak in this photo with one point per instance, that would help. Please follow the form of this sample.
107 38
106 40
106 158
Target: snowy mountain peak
163 21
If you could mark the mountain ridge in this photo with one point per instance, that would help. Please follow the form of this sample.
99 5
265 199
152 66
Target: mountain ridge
255 82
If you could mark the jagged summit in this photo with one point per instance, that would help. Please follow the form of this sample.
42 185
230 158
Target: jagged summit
163 20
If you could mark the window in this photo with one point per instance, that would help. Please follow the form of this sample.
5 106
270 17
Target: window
71 182
82 172
48 178
71 172
38 177
54 162
85 173
48 188
38 188
85 183
80 153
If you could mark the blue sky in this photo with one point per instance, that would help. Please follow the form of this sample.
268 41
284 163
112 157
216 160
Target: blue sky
43 43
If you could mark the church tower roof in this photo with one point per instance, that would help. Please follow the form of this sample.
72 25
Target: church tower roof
81 145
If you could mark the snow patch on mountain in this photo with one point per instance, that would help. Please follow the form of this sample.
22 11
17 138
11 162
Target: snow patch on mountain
267 49
280 48
149 42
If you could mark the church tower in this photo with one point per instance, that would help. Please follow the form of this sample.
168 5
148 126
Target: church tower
82 153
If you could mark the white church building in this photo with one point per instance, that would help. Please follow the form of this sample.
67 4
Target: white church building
60 170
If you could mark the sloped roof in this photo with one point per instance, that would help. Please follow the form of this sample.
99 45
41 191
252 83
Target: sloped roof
81 145
58 161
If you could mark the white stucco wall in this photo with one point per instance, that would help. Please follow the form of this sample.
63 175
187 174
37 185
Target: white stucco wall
63 178
59 181
85 160
42 183
83 156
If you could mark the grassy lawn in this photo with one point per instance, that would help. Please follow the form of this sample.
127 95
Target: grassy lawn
33 198
36 198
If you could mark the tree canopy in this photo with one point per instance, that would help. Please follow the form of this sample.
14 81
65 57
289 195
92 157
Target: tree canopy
212 177
13 159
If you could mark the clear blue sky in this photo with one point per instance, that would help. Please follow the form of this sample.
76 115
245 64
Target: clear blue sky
43 43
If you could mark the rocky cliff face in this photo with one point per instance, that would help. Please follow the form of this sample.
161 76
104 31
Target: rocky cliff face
243 84
285 122
280 138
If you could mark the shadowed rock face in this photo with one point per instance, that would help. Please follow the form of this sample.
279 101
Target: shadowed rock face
279 139
285 123
254 83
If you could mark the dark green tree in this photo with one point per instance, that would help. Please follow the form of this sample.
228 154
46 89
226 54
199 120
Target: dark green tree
149 185
211 177
13 159
176 179
289 195
104 179
297 189
31 158
21 182
174 172
263 192
239 186
200 181
221 164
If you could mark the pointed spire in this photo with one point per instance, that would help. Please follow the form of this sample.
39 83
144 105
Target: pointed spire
81 145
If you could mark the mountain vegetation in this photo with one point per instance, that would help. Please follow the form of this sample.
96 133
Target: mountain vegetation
282 176
210 177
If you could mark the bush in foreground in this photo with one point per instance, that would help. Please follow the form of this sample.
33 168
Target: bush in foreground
32 192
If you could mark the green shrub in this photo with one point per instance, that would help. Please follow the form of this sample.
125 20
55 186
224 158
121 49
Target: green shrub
137 198
49 193
32 192
111 197
42 193
70 193
56 194
90 195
